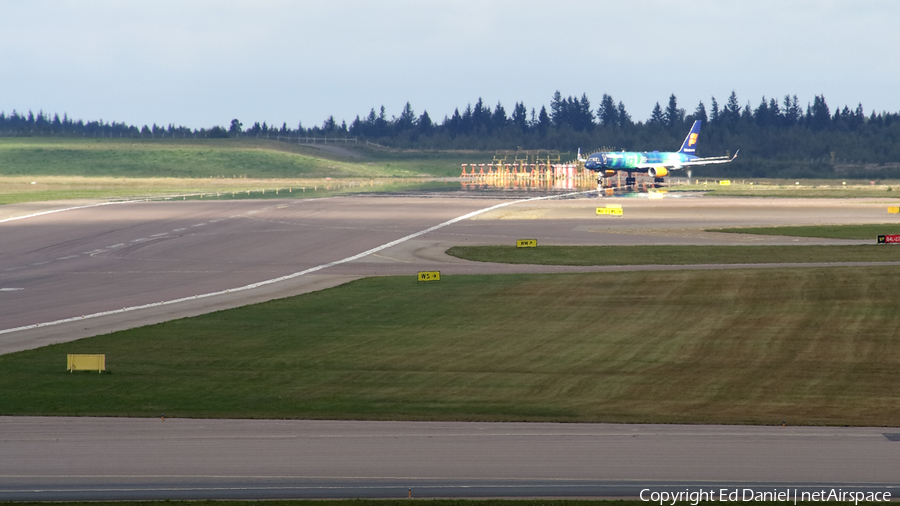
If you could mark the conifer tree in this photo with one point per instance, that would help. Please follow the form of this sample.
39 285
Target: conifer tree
732 110
673 116
607 113
556 109
407 119
498 119
624 118
424 124
585 114
519 116
657 116
714 115
700 112
543 121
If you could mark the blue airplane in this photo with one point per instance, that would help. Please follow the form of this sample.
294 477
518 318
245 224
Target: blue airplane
607 164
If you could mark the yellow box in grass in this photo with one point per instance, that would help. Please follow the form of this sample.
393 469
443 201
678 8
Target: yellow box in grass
610 211
429 276
86 363
526 243
725 182
894 210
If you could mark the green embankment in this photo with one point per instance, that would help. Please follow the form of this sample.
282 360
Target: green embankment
676 255
67 168
217 158
225 158
812 346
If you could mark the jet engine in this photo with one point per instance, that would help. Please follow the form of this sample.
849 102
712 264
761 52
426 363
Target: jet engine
658 172
610 172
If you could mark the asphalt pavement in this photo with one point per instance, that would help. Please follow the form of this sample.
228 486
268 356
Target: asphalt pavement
62 458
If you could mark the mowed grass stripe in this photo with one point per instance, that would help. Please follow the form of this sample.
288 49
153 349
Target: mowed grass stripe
676 255
217 189
812 346
861 232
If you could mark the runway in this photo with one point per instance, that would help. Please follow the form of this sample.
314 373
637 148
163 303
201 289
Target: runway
103 458
98 260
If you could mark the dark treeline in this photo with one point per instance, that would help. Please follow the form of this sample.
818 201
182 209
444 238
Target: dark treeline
778 137
40 124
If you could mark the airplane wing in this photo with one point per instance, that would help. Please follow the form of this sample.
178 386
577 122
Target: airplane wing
713 159
698 161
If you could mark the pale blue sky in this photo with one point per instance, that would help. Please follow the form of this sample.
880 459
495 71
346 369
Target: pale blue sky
203 63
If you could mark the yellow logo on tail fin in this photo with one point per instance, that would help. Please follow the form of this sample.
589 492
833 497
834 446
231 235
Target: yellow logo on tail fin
692 140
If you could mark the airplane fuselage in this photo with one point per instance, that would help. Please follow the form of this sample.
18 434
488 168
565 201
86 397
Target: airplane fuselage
631 160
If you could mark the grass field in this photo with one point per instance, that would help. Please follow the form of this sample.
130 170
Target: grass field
127 168
861 232
810 346
386 502
392 502
172 158
217 158
676 255
20 189
794 188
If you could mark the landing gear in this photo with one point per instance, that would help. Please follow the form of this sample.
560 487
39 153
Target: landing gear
630 182
658 182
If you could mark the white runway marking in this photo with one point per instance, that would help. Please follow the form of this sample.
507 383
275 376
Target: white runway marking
108 248
278 279
10 289
66 209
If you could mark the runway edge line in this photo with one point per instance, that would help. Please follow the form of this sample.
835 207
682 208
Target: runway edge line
268 281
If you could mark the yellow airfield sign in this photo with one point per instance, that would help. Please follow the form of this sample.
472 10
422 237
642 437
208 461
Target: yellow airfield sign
610 210
894 210
86 363
725 182
526 243
429 276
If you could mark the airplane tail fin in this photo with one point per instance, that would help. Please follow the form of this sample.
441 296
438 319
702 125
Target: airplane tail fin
689 147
